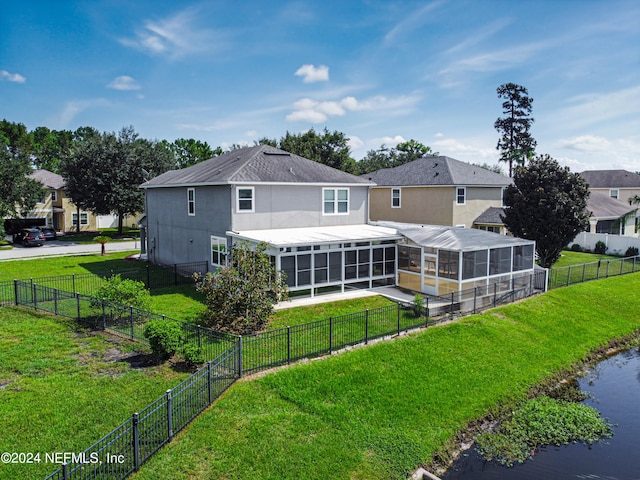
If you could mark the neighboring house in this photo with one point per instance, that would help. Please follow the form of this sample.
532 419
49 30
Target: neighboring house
435 190
57 210
611 216
313 217
619 184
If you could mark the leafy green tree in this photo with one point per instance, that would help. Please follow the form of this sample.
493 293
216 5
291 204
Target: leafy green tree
240 296
516 145
329 148
50 147
18 192
189 151
491 168
385 157
546 203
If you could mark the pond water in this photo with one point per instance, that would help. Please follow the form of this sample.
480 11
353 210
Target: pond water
614 390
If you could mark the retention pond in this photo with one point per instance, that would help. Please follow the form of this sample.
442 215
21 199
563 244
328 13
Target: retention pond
614 390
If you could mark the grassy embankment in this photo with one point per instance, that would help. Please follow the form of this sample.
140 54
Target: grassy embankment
62 388
379 412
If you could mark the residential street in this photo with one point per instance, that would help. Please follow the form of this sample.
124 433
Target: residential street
59 248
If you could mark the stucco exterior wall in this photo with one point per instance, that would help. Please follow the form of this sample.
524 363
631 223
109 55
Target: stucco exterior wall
623 193
433 205
296 206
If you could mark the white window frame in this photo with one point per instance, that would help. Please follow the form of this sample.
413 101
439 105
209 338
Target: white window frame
336 201
191 202
219 242
464 195
54 195
614 193
502 190
394 197
84 219
253 200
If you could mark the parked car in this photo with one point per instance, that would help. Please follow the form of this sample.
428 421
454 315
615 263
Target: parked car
29 237
49 233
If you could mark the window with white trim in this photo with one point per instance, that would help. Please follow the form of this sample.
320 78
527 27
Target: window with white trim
245 199
461 195
84 218
396 199
614 193
335 201
191 202
54 195
218 251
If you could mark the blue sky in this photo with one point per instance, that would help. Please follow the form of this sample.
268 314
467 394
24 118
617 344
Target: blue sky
379 71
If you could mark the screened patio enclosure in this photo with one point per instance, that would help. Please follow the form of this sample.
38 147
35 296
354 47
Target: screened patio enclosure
323 259
439 260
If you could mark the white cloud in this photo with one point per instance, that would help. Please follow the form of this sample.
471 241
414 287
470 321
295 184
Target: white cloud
463 150
175 37
412 21
355 142
315 111
12 77
74 108
123 82
312 74
586 143
390 141
600 107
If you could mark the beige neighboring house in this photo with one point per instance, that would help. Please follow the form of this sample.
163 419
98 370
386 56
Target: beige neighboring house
438 190
619 184
57 209
611 216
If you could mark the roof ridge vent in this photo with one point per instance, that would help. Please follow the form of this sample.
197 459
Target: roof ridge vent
287 154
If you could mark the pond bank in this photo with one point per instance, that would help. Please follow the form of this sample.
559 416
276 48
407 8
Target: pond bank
562 385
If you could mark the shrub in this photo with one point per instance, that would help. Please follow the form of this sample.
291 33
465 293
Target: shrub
576 247
631 252
600 248
165 337
418 305
192 354
130 293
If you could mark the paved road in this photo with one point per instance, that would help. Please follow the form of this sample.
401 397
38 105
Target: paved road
59 248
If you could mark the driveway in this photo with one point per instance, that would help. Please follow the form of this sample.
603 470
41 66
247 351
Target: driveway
56 247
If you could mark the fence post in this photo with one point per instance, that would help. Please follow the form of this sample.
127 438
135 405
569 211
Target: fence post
569 276
427 309
495 293
131 321
169 415
584 271
104 316
621 266
55 301
240 356
65 474
175 274
199 339
148 277
452 304
288 344
15 291
78 304
136 443
73 282
398 315
475 295
366 326
606 275
34 295
209 382
330 334
598 274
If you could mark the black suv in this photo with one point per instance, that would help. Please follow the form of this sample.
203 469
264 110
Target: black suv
49 233
29 237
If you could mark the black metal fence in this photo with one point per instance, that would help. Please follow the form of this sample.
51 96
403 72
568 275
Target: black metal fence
131 444
565 276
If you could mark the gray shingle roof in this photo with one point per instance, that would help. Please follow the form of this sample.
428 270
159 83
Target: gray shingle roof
259 164
437 171
491 216
611 179
604 207
48 179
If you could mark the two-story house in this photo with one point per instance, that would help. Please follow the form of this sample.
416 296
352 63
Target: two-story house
315 221
57 210
437 190
313 217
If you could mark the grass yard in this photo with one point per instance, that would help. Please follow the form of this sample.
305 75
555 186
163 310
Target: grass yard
379 412
570 257
62 388
48 266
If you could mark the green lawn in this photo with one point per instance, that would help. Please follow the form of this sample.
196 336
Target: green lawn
570 257
379 412
62 388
